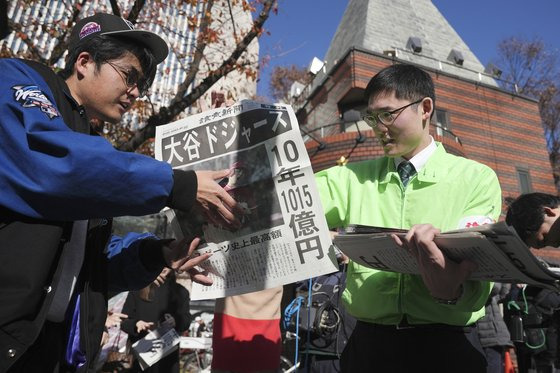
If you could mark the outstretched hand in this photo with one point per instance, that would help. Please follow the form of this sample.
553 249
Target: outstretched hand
114 319
180 256
442 276
217 206
144 326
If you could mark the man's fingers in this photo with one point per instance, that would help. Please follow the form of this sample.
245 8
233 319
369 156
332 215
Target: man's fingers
217 205
220 211
397 240
225 213
230 203
193 245
199 277
185 260
421 241
159 281
120 315
226 208
410 234
406 244
193 262
220 174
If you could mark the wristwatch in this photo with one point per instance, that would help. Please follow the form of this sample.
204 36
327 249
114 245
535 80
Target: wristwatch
451 302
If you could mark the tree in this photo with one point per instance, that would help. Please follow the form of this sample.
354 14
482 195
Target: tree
208 17
531 68
529 64
549 107
4 30
282 78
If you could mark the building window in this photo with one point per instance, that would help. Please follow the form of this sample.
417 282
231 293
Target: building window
524 181
441 120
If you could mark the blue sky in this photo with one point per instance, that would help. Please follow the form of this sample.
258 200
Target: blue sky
303 29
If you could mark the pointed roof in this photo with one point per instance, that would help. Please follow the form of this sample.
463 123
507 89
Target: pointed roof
385 25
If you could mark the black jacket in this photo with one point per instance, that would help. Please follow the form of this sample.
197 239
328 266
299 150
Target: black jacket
492 329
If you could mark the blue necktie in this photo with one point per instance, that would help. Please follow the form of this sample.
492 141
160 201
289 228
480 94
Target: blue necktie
406 171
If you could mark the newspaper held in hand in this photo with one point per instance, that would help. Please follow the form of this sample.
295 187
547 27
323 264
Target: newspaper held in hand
283 236
496 249
155 345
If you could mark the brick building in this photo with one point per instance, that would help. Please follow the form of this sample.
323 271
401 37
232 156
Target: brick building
475 117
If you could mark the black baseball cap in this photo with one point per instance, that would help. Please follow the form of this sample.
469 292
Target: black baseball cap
109 24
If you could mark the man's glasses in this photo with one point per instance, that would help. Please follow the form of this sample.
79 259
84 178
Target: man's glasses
385 117
132 78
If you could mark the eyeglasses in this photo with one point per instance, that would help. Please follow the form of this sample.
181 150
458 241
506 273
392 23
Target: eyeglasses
385 117
132 78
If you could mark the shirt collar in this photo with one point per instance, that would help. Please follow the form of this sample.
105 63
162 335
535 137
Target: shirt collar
420 159
80 109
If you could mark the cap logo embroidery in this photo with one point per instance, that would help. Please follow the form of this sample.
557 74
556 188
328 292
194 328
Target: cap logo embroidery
31 96
89 28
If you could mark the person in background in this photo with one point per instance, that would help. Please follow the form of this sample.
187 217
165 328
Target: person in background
164 304
406 322
332 328
61 183
113 320
493 331
534 216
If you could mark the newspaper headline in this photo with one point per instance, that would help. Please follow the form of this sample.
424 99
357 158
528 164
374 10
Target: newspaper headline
284 236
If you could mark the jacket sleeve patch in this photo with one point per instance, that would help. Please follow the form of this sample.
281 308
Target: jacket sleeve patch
474 221
30 96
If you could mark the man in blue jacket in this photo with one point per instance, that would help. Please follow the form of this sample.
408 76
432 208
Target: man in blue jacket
59 184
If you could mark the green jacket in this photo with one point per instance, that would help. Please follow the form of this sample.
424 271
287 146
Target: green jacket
449 192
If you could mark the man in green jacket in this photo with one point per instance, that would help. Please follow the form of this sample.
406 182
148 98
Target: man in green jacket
424 322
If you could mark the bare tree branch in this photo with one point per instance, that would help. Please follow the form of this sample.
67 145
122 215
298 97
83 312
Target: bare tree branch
527 63
62 44
135 11
282 78
115 7
232 19
180 103
4 28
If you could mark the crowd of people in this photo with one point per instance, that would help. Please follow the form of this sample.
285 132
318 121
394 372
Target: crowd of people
62 183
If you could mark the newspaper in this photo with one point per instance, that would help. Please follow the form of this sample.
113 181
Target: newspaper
284 237
496 249
155 346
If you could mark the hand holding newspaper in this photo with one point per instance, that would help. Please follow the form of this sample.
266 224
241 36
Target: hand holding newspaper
283 236
155 345
496 249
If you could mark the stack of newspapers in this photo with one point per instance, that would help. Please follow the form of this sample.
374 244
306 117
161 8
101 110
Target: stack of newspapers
497 250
